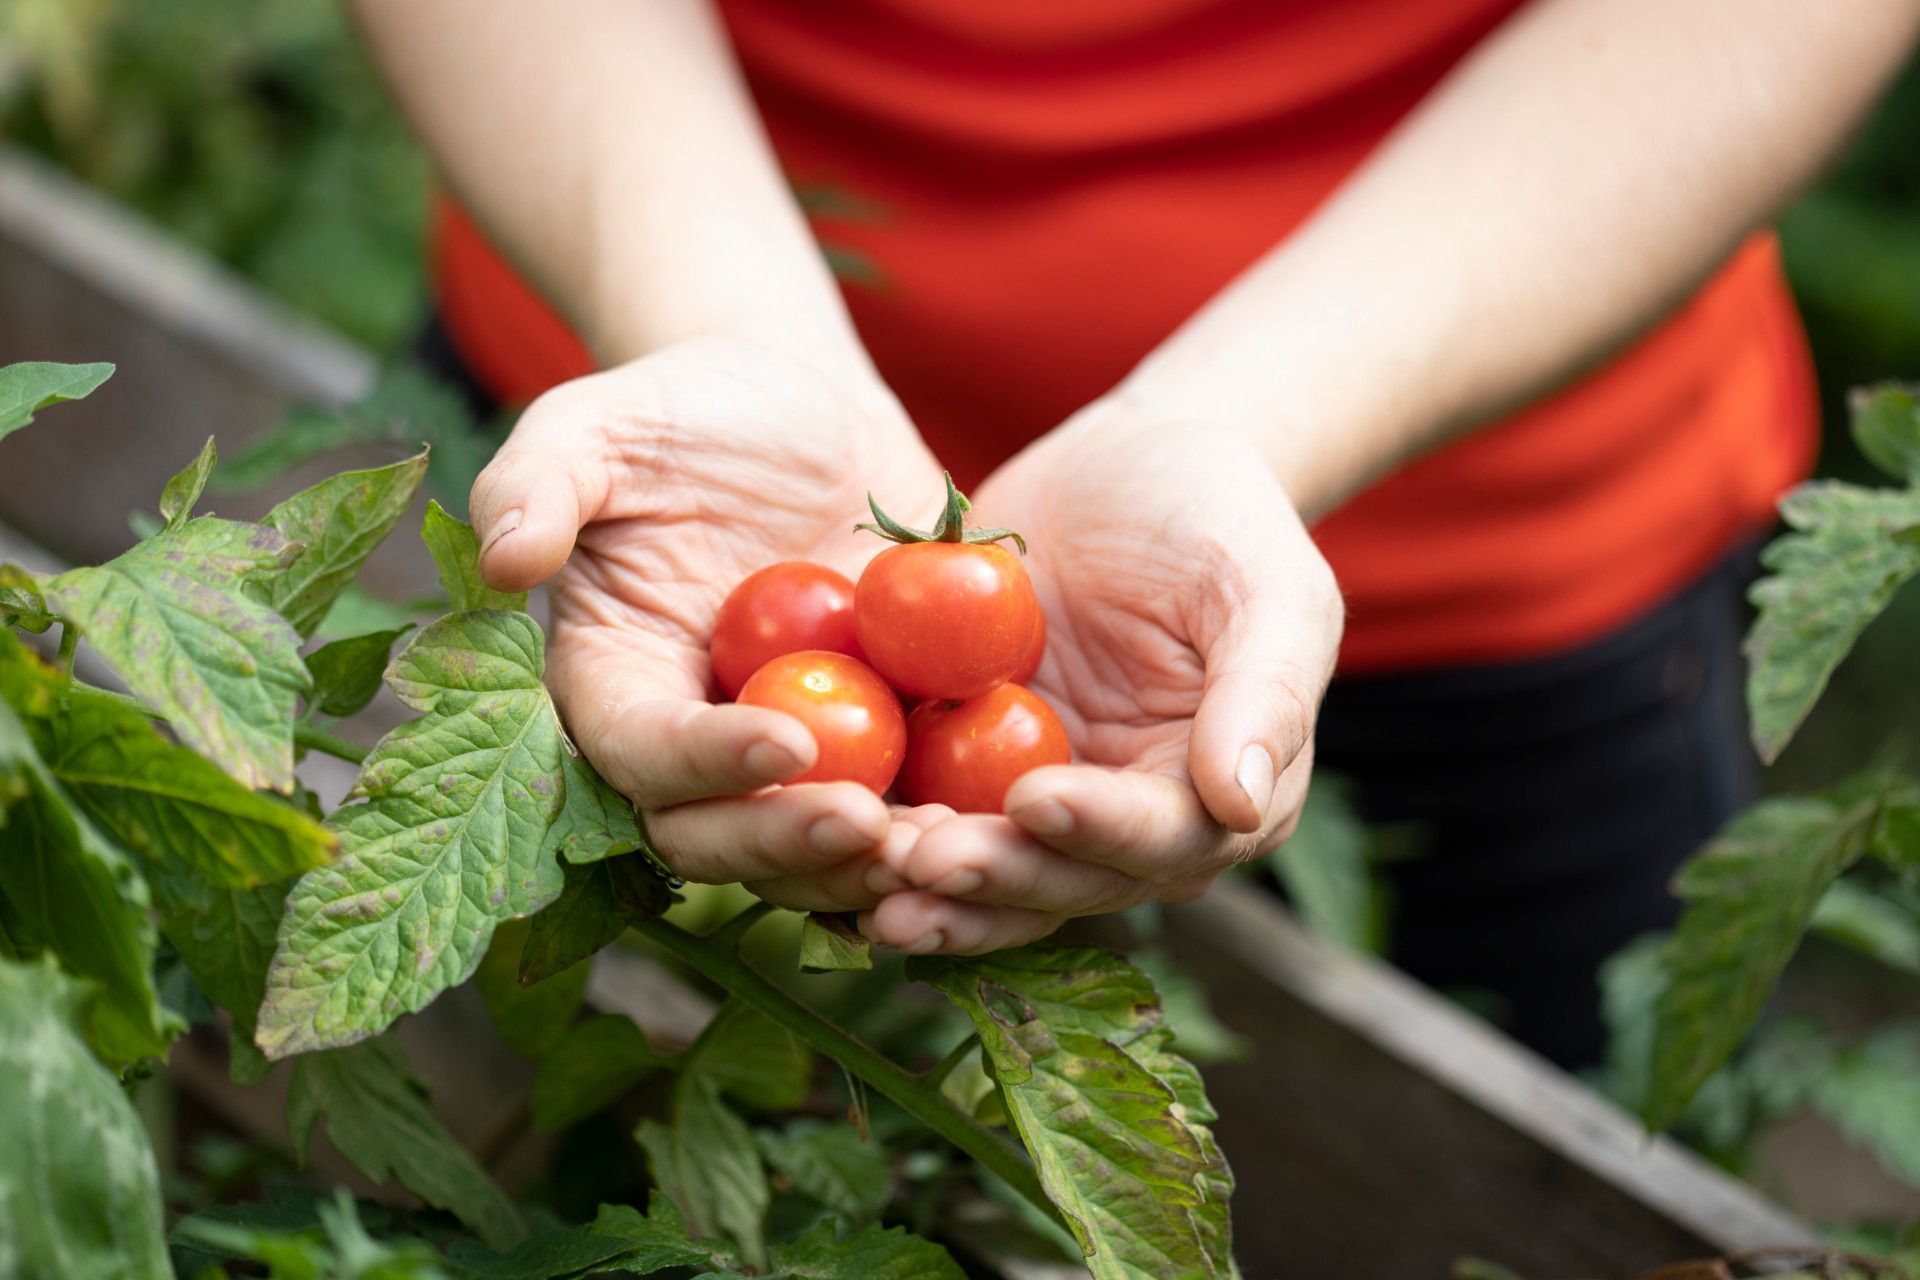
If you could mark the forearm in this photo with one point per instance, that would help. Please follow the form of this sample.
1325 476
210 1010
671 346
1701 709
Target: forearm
614 153
1567 184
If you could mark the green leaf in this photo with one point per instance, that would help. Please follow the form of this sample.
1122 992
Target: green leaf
593 1064
550 1255
356 611
706 1162
658 1239
456 553
1830 578
171 617
598 902
338 523
1750 895
21 604
449 840
226 940
598 822
829 944
32 385
68 891
531 1018
748 1055
871 1253
346 673
339 1245
378 1116
1871 1093
1886 426
1854 915
175 809
183 491
1323 867
79 1193
1114 1120
833 1164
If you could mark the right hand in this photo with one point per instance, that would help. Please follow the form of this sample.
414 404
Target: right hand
645 493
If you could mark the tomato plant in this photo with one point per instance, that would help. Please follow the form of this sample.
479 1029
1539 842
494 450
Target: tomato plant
946 613
854 717
162 861
781 609
966 754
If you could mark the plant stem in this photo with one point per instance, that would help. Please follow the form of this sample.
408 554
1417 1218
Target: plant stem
69 642
923 1101
309 736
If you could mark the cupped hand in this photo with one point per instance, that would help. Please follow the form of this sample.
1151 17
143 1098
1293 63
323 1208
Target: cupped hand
645 493
1192 629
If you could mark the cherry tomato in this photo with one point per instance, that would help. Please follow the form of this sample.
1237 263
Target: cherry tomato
854 718
966 754
782 609
1036 650
945 619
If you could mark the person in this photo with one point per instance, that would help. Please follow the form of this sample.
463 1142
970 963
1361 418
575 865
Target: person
1428 341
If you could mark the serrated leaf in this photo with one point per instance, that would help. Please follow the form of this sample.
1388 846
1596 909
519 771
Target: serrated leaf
830 944
341 1247
68 891
1871 1093
32 385
598 902
1324 869
530 1018
1853 915
871 1253
456 553
1750 895
183 491
577 1251
338 523
706 1162
593 1064
658 1239
748 1055
449 840
1886 426
21 604
172 618
1830 578
173 808
1119 1141
346 673
79 1193
379 1118
833 1164
225 937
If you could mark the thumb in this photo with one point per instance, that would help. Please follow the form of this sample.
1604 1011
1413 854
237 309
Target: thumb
1266 671
549 479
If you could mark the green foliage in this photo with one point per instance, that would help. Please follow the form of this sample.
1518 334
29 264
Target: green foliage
79 1195
456 553
596 904
589 1067
531 1018
830 944
27 388
347 672
337 524
832 1164
378 1116
337 1246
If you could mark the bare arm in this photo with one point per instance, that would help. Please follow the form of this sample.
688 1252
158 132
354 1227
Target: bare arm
1568 183
612 149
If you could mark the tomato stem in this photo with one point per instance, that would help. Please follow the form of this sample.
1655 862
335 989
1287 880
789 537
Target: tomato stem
716 956
952 526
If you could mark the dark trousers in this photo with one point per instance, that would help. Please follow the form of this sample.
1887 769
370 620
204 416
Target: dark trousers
1550 802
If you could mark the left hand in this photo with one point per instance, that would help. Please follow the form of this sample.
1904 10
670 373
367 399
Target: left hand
1192 629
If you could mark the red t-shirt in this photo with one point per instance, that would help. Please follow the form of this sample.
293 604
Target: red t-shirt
1044 191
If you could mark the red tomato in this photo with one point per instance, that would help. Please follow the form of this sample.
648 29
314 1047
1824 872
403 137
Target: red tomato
966 754
782 609
1036 650
854 718
945 619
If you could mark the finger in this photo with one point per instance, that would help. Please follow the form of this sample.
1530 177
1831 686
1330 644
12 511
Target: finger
549 478
925 924
780 832
987 859
855 884
1267 667
669 751
1149 826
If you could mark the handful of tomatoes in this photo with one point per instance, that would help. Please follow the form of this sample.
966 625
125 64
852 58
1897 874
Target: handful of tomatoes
946 619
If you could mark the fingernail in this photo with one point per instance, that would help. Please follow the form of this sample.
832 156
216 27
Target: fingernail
834 834
882 879
1049 819
506 524
1255 776
768 761
960 884
926 943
